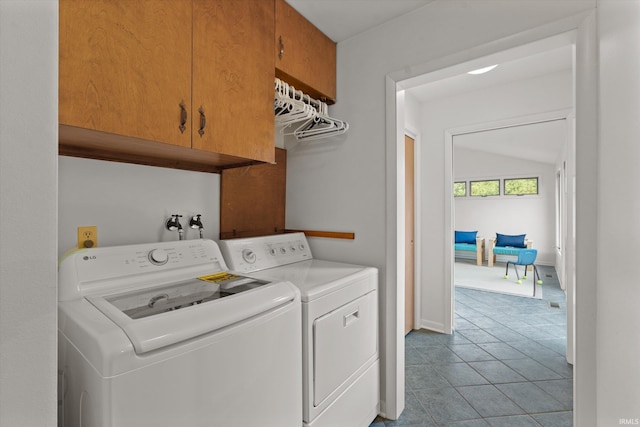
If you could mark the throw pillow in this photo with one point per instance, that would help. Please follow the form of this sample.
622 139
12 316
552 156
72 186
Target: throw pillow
466 237
516 241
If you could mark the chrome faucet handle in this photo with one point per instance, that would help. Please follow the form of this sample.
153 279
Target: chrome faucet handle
195 222
173 223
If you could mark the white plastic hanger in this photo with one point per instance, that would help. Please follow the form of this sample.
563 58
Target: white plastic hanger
293 106
289 105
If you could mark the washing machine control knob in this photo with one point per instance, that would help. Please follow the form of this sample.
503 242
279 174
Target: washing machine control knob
249 256
158 257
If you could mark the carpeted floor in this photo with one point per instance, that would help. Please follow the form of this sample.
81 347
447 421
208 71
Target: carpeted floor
469 275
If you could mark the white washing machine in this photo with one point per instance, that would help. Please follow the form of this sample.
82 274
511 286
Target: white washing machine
161 335
341 379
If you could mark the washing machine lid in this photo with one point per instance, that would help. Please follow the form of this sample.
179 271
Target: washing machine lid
316 278
156 317
97 271
152 295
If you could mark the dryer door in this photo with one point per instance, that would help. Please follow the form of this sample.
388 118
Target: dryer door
343 341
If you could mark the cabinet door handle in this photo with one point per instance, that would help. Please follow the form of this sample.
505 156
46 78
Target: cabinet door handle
183 117
203 121
281 46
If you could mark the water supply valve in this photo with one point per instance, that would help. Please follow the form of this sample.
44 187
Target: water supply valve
196 223
173 224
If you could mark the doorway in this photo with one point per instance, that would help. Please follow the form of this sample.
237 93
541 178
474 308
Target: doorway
555 122
495 109
478 152
409 212
580 31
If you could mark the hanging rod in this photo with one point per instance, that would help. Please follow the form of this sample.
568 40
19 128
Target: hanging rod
294 106
292 92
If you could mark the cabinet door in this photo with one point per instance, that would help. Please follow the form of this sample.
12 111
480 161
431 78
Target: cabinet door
305 57
125 67
233 73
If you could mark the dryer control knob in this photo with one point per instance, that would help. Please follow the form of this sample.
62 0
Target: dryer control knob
158 257
249 256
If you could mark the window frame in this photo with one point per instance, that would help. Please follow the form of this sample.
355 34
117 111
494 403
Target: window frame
504 186
485 195
466 193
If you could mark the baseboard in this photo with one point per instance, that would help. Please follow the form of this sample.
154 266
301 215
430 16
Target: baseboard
432 326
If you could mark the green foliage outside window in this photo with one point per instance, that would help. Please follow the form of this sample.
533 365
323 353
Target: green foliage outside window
485 188
459 189
520 186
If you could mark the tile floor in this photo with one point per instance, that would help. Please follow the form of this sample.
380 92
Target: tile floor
503 367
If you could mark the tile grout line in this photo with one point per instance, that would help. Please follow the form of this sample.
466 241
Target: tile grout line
500 391
540 350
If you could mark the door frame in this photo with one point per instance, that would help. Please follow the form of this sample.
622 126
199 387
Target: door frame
584 30
449 217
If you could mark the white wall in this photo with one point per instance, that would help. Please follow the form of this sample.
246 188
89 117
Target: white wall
618 288
28 228
412 112
131 203
28 159
341 185
530 215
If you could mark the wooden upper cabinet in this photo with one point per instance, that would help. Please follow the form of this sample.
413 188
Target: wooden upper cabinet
132 72
305 57
233 72
125 67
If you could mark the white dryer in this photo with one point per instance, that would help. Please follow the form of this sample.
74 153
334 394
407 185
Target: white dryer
161 335
341 379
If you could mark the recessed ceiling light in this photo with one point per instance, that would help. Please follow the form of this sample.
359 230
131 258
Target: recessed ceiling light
483 70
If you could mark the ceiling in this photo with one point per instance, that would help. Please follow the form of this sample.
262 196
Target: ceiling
342 19
523 68
538 142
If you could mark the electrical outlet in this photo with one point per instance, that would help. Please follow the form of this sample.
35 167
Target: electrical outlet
87 237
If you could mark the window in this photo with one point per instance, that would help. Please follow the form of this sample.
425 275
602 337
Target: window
520 186
460 189
485 188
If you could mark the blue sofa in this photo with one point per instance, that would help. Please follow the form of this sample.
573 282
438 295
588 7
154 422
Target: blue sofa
470 242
